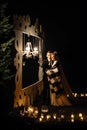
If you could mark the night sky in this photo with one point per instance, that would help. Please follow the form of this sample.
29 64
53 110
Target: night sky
64 32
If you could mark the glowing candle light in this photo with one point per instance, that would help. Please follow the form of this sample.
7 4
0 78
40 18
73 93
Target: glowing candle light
54 116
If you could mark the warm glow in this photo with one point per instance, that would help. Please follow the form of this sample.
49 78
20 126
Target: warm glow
72 120
75 95
30 109
48 117
42 115
82 95
30 51
62 116
54 116
40 119
28 47
80 114
72 115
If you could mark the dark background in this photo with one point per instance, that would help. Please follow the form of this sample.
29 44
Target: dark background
64 28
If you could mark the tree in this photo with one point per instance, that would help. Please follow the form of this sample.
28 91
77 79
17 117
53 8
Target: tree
6 42
6 60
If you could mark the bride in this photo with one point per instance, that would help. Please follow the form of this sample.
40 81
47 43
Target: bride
57 94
